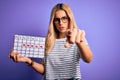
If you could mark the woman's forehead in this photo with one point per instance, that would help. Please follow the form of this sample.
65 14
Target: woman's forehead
60 13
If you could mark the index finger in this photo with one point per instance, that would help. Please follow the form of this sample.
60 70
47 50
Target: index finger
71 25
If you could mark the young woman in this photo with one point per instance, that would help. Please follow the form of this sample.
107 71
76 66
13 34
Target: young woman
65 45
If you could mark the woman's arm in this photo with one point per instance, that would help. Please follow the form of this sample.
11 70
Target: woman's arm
85 51
78 36
39 67
36 66
83 46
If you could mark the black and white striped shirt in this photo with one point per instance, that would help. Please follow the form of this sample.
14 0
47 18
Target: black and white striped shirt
62 63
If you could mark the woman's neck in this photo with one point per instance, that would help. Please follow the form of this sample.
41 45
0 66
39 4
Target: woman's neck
61 35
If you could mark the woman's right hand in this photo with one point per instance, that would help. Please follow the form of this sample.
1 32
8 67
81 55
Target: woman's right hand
17 58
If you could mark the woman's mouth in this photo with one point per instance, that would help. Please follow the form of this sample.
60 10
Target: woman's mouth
61 28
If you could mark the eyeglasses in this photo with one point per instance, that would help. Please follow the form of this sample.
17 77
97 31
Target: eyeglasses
64 19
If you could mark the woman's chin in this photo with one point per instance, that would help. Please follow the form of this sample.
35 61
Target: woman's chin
62 31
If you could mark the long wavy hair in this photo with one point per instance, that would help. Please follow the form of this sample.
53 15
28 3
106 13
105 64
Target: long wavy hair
52 33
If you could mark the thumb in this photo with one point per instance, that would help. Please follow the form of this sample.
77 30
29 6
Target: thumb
67 44
82 35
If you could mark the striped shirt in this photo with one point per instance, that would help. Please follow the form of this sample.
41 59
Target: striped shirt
62 63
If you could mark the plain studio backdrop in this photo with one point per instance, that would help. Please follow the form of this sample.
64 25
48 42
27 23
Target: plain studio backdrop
99 18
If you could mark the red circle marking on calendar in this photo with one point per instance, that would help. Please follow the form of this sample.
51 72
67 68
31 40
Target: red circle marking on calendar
31 45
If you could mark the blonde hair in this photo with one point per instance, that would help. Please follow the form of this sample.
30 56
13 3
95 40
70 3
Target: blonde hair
51 35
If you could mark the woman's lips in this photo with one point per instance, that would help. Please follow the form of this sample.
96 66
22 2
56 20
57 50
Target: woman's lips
61 28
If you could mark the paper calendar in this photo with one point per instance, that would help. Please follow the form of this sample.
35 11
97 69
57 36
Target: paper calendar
29 46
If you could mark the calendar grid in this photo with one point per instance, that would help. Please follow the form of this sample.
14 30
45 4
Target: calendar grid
29 46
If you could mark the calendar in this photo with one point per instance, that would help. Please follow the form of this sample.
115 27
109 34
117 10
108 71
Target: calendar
29 46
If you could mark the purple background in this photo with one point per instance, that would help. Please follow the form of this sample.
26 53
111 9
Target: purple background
99 18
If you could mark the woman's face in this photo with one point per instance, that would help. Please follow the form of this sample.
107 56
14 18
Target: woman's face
61 21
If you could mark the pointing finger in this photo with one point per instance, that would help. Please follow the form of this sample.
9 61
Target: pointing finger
67 44
71 25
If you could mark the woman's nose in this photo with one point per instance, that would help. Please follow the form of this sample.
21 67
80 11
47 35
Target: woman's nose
61 21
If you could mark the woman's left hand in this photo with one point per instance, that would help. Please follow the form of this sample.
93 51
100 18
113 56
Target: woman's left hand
74 36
